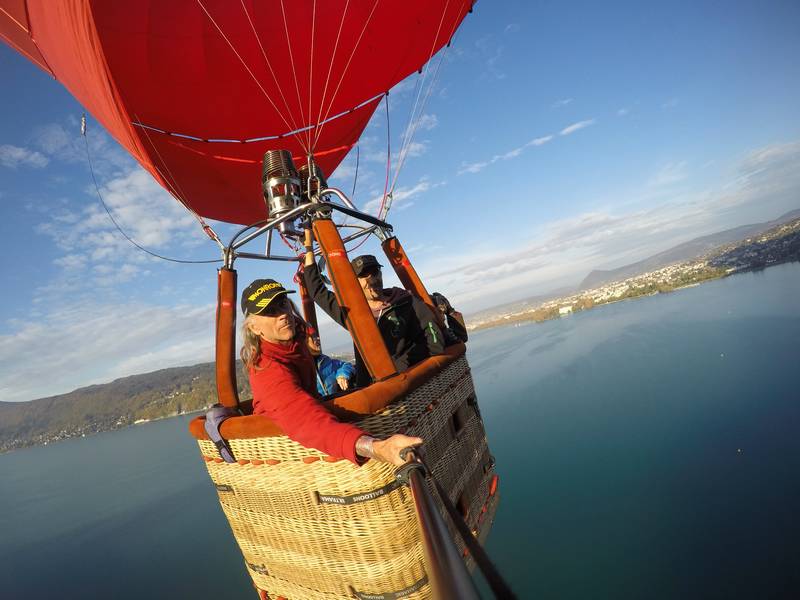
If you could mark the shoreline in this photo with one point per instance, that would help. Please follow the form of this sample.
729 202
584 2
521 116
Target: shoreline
546 312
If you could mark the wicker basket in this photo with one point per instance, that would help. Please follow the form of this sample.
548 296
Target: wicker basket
312 527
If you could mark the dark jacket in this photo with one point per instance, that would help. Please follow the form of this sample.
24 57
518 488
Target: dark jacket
408 326
455 324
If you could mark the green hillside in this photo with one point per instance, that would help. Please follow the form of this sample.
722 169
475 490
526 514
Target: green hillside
121 403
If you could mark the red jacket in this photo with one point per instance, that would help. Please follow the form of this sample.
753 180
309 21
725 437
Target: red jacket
284 389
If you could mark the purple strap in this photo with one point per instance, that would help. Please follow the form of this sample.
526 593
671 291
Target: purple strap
214 418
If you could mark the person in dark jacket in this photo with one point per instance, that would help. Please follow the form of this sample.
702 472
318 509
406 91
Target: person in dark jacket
281 370
407 325
333 375
454 320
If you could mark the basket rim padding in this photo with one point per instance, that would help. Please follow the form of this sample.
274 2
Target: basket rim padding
364 401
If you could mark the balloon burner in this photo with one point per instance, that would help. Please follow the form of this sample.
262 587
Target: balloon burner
282 188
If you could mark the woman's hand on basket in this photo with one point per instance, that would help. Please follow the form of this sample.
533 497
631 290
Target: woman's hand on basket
388 450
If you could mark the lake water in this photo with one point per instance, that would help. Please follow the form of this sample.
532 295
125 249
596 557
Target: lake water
649 448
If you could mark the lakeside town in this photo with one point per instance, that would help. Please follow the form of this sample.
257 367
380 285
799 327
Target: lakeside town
774 246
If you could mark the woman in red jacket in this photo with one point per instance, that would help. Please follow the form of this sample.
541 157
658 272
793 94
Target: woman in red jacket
283 381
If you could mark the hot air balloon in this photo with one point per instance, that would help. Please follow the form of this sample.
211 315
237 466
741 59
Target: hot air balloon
220 100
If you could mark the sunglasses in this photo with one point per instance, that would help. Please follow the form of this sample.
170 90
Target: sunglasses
277 307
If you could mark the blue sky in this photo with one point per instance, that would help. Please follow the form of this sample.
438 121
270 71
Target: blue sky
559 137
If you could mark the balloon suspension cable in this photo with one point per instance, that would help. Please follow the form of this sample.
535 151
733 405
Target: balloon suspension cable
388 172
210 232
306 146
318 131
176 192
415 118
272 71
355 176
293 127
388 159
345 222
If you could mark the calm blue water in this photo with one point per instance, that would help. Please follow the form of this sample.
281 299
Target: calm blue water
649 448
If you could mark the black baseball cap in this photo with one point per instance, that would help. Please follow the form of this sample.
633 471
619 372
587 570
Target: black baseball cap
365 262
257 296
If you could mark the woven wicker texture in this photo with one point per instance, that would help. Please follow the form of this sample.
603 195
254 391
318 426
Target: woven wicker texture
301 548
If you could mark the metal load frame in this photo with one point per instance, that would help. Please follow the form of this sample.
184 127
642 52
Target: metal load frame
316 205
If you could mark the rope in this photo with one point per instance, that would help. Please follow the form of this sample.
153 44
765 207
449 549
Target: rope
388 171
110 216
344 71
255 79
355 177
294 75
411 129
311 65
175 189
388 159
271 70
330 65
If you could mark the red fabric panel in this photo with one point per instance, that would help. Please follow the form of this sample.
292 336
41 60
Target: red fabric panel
176 71
15 31
223 180
68 41
167 65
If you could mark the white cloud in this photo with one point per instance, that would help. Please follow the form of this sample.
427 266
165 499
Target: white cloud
427 122
487 47
14 156
415 149
121 274
344 172
405 87
62 142
765 185
512 28
540 141
560 103
770 156
70 262
576 126
90 241
402 196
477 167
669 174
83 343
622 112
141 207
512 153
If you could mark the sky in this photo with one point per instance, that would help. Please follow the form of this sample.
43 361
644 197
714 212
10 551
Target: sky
557 138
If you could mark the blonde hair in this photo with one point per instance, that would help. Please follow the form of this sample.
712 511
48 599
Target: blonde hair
251 341
251 345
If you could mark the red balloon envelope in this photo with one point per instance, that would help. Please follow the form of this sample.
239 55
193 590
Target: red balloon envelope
198 90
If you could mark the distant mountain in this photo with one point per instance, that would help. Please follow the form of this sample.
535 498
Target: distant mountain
687 250
109 406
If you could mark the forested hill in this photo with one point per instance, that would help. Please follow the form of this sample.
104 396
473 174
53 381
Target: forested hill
96 408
